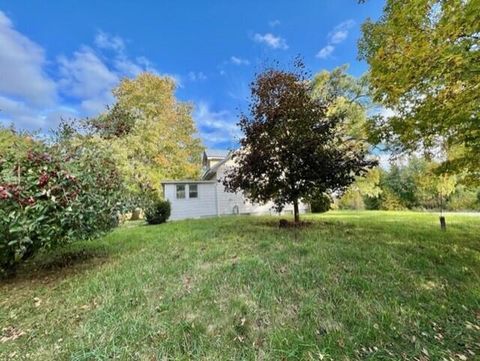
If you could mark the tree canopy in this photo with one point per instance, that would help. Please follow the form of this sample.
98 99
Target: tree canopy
152 132
295 145
424 58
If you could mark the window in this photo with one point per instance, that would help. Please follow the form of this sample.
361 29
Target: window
193 191
180 191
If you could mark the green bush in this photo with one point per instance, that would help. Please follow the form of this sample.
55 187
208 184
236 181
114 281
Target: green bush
158 212
372 203
463 200
351 199
321 203
51 195
390 201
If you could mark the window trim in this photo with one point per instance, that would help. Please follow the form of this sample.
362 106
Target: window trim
177 191
190 191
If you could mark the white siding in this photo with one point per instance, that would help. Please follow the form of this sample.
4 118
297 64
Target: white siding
214 200
203 206
227 201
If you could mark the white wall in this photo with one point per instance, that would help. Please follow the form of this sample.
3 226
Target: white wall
214 200
226 200
204 205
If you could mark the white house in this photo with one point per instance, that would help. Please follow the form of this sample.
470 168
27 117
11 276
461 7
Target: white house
207 197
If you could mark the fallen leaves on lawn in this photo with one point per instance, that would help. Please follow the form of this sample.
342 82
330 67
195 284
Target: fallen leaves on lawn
472 326
187 283
10 333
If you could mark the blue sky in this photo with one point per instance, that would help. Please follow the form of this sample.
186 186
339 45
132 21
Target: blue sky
62 58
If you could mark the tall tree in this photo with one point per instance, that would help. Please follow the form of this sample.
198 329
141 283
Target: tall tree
153 133
349 96
424 58
293 148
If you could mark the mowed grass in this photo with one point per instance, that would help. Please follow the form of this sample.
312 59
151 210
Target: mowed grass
351 286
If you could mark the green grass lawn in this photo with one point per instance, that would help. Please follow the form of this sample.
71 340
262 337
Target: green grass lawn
351 286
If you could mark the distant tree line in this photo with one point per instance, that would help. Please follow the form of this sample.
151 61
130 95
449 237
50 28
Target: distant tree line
414 185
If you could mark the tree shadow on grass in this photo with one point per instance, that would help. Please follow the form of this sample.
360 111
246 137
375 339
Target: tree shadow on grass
284 223
71 259
52 266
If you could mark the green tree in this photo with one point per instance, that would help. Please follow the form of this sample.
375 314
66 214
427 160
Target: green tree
464 199
12 139
424 58
433 189
414 184
364 189
153 133
347 97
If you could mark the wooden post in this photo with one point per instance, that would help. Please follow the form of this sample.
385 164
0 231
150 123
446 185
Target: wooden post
443 223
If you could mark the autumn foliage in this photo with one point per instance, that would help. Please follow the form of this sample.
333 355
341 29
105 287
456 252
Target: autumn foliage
293 148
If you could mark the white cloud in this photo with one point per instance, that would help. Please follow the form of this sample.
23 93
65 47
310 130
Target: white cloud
18 113
274 23
339 36
335 37
217 128
325 52
275 42
123 64
89 75
107 41
199 76
22 65
31 99
85 75
239 61
97 73
128 67
27 93
340 32
24 116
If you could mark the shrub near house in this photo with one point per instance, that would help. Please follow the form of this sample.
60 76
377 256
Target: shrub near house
158 212
53 195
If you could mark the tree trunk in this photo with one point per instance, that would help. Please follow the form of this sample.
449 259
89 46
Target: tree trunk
295 211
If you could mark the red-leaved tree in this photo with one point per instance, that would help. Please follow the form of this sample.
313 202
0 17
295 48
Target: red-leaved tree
292 148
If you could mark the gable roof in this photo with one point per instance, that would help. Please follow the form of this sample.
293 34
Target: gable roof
213 171
216 153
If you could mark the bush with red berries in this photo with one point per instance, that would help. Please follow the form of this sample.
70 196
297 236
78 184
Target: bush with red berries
52 195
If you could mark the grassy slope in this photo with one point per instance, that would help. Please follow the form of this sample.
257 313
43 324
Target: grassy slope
372 285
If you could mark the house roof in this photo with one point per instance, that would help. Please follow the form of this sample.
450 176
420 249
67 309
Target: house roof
216 153
186 181
212 171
